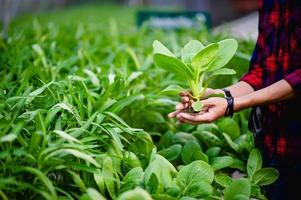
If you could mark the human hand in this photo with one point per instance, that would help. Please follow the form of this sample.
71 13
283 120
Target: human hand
186 101
213 109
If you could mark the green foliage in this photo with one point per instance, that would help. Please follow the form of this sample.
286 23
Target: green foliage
191 152
195 179
171 153
254 162
238 189
136 194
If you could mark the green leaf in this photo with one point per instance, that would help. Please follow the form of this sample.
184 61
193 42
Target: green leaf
238 164
8 138
230 127
211 127
172 90
223 71
108 174
78 181
163 169
132 179
136 194
189 152
100 181
188 198
226 50
94 194
173 65
197 106
221 162
241 197
160 48
213 152
207 137
182 138
121 104
82 155
254 163
232 144
202 59
171 153
66 136
200 155
37 92
162 197
196 178
239 186
265 176
190 50
173 191
152 184
166 140
199 189
223 179
129 161
42 177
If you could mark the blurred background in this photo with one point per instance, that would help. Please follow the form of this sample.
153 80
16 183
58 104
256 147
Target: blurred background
239 16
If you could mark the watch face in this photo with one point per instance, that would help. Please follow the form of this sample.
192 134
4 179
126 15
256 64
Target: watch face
227 92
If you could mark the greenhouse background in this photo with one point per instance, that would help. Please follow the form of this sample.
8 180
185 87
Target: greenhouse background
84 101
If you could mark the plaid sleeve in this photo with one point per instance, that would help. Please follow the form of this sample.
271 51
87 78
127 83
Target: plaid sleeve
254 77
294 79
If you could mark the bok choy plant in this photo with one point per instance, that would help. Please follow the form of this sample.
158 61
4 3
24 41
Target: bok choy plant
198 65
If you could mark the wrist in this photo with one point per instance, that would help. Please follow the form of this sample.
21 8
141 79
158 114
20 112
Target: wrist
242 102
218 91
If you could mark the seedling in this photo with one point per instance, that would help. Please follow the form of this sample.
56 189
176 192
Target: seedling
198 65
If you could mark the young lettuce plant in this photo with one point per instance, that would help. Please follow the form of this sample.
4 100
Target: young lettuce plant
198 65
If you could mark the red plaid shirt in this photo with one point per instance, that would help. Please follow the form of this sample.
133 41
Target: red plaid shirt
277 55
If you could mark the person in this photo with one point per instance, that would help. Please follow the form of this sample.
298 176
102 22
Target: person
272 88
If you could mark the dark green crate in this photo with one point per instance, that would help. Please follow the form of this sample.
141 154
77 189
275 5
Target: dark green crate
173 19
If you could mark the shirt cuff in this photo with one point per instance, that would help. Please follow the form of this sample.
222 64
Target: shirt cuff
253 80
294 79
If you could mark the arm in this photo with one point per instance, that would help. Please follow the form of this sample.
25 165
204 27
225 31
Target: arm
278 91
238 89
214 108
284 89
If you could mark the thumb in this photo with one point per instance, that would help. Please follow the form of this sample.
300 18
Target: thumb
206 103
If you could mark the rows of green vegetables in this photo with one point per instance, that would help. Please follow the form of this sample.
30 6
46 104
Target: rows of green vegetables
82 116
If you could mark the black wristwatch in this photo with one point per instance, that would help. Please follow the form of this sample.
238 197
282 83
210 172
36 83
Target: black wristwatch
227 92
230 101
230 107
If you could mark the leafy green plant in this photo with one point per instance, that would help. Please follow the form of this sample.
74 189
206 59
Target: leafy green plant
197 65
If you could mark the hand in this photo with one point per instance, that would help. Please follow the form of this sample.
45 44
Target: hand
181 107
213 109
186 102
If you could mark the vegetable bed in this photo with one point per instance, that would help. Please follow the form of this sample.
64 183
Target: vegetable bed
83 115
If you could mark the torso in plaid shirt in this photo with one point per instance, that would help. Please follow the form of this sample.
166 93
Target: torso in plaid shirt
277 56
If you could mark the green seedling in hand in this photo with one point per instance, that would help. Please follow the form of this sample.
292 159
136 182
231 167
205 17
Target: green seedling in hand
198 64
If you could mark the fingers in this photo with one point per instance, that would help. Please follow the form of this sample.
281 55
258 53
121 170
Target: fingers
204 117
174 114
182 121
179 108
185 99
184 93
